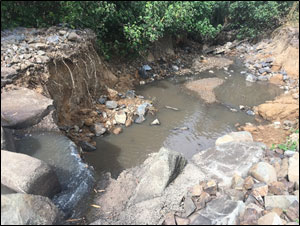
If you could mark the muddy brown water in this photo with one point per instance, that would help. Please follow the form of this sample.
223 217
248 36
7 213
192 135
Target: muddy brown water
205 122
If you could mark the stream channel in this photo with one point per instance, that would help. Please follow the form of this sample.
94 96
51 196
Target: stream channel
203 123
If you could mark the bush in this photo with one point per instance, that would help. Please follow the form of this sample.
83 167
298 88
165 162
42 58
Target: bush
129 27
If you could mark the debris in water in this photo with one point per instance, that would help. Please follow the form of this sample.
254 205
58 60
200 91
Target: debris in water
175 109
96 206
155 122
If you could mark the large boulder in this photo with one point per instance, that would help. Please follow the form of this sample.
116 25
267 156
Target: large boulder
242 136
163 169
23 108
26 174
223 161
24 209
279 201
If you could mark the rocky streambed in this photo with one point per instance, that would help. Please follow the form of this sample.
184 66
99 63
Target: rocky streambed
55 84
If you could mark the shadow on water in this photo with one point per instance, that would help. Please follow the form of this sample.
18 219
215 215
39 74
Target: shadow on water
28 145
108 160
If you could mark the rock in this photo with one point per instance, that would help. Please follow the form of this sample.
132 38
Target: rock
189 207
293 211
142 109
201 220
155 122
293 170
162 171
295 96
248 183
277 188
175 68
139 119
23 108
117 130
265 69
261 189
251 78
289 153
111 104
242 107
147 68
262 78
210 187
86 146
120 117
202 200
99 129
130 94
25 174
223 160
237 182
211 71
242 136
74 37
7 140
263 172
249 112
197 190
24 209
223 211
270 219
52 39
235 195
297 193
182 221
62 32
283 172
280 201
102 100
251 215
169 219
89 122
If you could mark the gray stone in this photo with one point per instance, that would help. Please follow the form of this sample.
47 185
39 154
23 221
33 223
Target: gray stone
280 201
189 207
7 140
53 39
8 73
242 136
289 153
251 78
26 174
164 169
223 211
262 78
102 100
201 220
264 172
23 108
224 160
142 109
265 69
111 104
175 68
99 129
24 209
250 112
147 68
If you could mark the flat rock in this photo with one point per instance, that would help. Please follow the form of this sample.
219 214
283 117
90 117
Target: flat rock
24 209
270 219
23 108
242 136
264 172
224 160
293 170
223 211
280 201
189 207
25 174
165 168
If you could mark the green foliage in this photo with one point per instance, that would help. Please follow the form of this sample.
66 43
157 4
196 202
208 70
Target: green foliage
129 27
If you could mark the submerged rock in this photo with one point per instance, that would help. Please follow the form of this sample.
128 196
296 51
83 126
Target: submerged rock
242 136
7 140
24 209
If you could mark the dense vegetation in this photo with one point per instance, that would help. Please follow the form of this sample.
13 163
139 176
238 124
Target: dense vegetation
130 26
